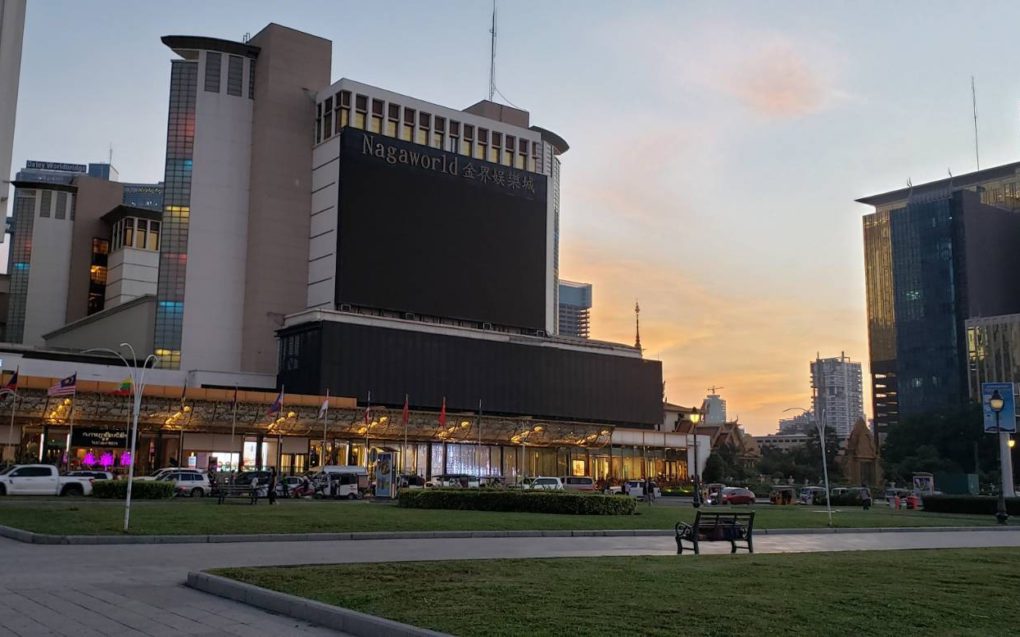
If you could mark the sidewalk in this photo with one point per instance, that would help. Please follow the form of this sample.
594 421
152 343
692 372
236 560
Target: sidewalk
80 590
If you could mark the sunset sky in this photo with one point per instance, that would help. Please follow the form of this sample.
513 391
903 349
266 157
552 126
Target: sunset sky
716 148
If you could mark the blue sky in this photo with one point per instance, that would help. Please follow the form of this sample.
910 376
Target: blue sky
716 148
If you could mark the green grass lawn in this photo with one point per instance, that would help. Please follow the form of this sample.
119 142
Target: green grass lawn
203 516
930 592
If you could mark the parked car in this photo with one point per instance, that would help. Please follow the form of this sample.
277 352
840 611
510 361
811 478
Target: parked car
339 481
164 474
491 482
454 480
737 495
808 495
95 475
41 479
542 483
410 481
578 483
190 483
287 484
783 495
636 489
712 492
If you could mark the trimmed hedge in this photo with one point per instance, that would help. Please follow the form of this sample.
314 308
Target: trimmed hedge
975 504
142 489
517 501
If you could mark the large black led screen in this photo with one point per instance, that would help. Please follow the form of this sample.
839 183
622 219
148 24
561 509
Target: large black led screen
428 232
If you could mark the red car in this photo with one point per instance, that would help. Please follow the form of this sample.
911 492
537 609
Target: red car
737 495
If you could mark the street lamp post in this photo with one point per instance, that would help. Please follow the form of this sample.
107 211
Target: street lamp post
137 386
695 419
825 462
996 402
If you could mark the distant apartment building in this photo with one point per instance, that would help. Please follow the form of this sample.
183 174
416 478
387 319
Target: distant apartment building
782 441
77 248
575 309
838 393
801 423
936 255
715 410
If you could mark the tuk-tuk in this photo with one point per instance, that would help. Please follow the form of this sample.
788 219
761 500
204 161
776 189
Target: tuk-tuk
783 495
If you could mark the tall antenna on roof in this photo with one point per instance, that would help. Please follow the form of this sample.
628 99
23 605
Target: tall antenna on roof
973 99
492 58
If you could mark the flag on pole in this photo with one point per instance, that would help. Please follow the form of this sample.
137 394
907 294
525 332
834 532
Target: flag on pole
325 406
124 389
277 404
184 391
12 384
407 413
233 405
442 414
66 387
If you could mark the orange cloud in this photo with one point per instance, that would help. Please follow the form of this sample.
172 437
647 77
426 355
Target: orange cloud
756 346
778 81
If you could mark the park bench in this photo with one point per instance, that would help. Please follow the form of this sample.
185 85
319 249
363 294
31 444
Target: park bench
716 527
236 491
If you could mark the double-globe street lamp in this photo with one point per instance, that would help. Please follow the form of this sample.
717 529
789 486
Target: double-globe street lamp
137 375
996 402
825 463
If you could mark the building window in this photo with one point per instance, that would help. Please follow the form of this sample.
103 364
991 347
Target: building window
522 154
343 107
235 71
318 123
45 203
153 243
61 211
533 162
424 121
438 132
407 130
508 150
375 125
494 149
127 232
212 72
327 118
454 136
469 140
97 275
392 120
360 111
483 143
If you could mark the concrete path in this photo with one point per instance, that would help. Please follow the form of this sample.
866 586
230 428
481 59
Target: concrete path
136 589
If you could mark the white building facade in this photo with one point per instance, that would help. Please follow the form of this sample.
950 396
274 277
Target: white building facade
837 388
12 30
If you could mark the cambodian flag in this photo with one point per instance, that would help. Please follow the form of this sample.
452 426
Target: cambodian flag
277 404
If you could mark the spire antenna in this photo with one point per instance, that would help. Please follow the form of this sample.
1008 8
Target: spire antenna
492 55
637 325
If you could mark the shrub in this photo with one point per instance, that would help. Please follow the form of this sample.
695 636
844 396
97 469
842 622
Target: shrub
517 501
142 489
975 504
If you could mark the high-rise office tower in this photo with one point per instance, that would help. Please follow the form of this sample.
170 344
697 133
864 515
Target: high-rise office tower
12 30
575 309
715 409
936 255
838 389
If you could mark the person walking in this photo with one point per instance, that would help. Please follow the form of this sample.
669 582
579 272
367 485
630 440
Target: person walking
865 497
272 486
649 491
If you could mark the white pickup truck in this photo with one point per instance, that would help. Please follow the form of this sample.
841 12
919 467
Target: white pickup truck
41 479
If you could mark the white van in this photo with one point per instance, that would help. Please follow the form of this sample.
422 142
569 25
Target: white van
340 481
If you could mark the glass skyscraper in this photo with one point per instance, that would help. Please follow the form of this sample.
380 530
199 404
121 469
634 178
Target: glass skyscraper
936 255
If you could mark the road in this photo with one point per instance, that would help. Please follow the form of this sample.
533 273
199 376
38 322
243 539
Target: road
83 591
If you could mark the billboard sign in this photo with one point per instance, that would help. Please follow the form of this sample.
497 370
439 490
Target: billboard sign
85 437
384 475
1005 420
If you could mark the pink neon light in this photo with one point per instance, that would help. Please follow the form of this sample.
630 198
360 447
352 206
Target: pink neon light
89 459
125 459
107 459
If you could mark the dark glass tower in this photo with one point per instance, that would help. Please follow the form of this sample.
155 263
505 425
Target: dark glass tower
934 257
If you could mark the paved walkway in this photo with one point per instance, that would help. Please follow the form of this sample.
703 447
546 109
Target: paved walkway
136 589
